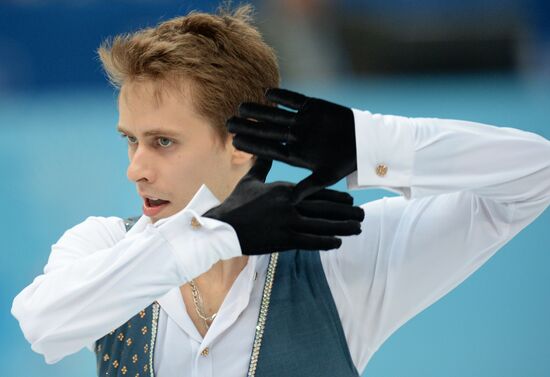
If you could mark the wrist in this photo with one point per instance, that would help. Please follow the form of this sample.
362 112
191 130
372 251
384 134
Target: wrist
350 139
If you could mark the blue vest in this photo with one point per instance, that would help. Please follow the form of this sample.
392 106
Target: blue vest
302 333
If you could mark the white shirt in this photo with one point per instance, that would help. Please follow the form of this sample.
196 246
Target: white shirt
465 190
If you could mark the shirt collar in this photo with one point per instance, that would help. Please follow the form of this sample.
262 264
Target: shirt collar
172 302
202 201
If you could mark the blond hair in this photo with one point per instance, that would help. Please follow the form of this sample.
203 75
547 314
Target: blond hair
223 57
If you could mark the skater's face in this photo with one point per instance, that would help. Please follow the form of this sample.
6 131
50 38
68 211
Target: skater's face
173 150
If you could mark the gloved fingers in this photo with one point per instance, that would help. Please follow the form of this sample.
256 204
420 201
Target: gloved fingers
265 113
329 210
261 168
323 227
286 98
307 187
262 148
313 242
267 131
331 195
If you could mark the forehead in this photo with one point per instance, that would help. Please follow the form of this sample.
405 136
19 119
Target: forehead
146 106
154 94
148 102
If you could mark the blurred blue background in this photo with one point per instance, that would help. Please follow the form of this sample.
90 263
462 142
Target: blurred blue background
487 61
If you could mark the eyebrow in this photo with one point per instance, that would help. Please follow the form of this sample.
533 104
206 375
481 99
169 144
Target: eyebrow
154 132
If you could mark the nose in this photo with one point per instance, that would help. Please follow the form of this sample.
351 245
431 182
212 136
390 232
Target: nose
141 166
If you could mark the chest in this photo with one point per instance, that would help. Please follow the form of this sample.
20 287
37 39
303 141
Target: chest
212 301
302 335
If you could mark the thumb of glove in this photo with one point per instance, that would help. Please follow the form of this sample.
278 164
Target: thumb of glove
305 188
260 169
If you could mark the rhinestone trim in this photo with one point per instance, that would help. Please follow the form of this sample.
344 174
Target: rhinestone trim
154 321
263 314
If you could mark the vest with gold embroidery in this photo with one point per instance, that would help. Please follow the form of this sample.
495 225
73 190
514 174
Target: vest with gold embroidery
299 331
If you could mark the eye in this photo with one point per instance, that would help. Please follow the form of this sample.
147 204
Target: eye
161 141
129 138
164 145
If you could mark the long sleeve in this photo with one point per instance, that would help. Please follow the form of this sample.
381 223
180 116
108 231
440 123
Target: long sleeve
466 189
98 276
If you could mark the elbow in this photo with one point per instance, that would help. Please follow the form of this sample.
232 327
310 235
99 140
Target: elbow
28 321
33 329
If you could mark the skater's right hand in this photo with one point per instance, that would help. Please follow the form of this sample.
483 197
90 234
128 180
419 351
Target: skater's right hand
266 221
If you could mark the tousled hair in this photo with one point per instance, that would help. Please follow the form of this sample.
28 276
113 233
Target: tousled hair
222 56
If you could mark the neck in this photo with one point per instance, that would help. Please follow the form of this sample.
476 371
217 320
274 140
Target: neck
223 273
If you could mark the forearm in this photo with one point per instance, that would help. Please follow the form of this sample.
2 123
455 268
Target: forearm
67 308
87 290
431 156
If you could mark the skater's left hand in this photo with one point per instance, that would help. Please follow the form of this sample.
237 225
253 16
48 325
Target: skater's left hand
319 136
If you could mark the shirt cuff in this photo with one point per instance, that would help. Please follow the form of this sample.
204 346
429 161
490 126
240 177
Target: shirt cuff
198 242
385 153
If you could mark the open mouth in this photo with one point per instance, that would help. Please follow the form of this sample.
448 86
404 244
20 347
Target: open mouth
155 203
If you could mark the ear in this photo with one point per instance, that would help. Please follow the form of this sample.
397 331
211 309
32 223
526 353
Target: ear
238 157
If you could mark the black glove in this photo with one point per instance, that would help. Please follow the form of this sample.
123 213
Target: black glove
320 137
266 221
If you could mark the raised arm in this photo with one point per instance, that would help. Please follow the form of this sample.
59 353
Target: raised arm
466 190
98 276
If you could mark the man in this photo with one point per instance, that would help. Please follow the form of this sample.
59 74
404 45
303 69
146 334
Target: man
222 276
179 82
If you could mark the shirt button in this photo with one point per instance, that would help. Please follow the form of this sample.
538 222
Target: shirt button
381 170
205 352
195 223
